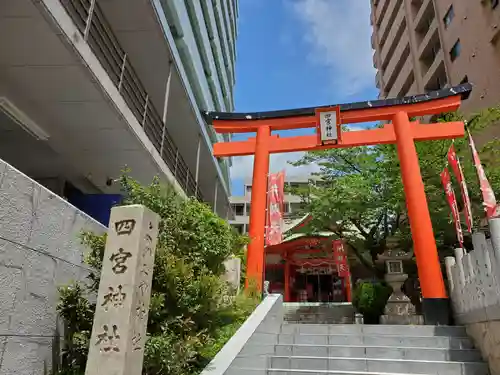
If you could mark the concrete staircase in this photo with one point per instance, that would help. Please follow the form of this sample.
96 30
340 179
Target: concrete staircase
276 340
371 350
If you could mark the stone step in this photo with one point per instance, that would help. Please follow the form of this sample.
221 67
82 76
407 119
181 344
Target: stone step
362 329
381 340
316 372
378 365
319 319
247 371
386 352
319 313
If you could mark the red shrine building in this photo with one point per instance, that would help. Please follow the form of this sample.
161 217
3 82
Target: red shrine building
307 267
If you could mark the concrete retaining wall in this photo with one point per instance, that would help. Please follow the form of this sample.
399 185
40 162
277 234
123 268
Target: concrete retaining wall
247 352
39 251
474 291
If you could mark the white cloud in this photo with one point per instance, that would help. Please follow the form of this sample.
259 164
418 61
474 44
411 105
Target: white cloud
243 166
339 33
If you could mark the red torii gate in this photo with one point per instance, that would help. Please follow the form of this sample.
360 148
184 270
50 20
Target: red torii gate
401 131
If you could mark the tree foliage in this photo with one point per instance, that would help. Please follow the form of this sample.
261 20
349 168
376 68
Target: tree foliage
360 195
370 299
193 312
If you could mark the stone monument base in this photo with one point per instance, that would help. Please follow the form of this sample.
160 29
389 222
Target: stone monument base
399 310
402 319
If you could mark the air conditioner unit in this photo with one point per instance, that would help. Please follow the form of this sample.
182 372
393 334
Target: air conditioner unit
22 119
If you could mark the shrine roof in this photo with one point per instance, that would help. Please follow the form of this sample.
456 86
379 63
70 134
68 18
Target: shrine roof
294 238
307 235
463 90
298 223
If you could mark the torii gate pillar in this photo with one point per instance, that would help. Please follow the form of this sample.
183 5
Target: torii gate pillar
424 243
256 258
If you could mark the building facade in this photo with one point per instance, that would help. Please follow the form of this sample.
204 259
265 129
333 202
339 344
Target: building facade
424 45
89 87
293 208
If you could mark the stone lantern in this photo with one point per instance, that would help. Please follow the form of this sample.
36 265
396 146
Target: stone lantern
399 309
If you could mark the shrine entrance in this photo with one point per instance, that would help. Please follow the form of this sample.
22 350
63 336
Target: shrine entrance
309 268
399 129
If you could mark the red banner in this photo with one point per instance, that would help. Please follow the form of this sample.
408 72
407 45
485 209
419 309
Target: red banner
340 256
489 200
452 202
459 175
275 201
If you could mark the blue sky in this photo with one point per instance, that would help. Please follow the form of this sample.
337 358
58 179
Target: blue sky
300 53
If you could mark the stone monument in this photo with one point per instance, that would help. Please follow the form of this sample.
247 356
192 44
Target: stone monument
233 273
399 309
266 288
121 316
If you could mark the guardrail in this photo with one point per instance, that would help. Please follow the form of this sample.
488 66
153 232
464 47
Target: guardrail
97 32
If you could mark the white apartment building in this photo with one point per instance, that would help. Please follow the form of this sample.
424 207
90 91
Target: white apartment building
294 205
88 87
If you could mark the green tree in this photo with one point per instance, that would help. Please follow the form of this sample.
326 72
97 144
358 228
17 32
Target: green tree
360 195
193 312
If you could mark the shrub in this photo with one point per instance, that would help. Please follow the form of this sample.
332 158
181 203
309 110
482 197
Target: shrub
370 298
192 310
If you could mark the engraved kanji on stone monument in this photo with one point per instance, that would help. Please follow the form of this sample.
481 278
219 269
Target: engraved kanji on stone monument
119 260
115 297
108 339
124 226
120 321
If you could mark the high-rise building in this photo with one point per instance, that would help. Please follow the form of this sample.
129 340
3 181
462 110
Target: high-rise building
88 87
424 45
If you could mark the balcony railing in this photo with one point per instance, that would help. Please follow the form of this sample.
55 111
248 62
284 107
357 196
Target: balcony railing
395 62
97 32
396 31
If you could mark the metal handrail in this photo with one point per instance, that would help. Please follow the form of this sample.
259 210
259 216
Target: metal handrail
96 31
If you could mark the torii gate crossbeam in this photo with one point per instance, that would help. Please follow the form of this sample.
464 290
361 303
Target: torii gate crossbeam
400 131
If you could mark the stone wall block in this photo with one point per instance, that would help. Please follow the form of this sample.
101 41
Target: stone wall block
16 192
40 273
67 274
11 254
53 227
20 357
494 226
12 290
35 315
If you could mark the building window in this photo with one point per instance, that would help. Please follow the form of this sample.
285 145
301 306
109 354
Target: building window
238 209
450 14
455 51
